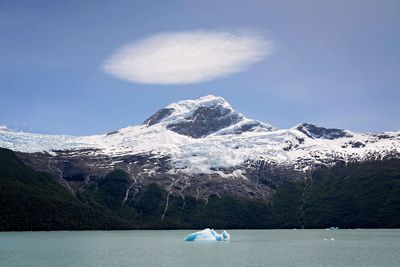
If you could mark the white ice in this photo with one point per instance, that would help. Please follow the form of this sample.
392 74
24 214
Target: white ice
221 150
208 235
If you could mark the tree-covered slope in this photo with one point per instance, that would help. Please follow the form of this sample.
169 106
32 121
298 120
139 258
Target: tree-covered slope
365 195
31 200
347 196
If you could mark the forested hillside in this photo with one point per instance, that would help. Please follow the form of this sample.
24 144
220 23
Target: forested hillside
357 195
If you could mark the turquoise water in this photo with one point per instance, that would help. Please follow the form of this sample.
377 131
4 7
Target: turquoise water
166 248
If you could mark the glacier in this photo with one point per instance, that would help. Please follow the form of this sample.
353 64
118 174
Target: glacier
200 148
222 151
208 235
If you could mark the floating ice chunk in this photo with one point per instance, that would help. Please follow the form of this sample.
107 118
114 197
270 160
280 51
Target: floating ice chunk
207 235
332 228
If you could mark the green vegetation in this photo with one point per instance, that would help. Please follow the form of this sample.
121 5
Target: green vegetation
287 206
359 195
31 200
356 195
347 196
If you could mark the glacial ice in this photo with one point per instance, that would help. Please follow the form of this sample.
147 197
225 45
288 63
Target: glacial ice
216 153
207 235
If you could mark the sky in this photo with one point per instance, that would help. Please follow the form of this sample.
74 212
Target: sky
85 67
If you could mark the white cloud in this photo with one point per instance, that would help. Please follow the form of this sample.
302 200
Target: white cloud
187 57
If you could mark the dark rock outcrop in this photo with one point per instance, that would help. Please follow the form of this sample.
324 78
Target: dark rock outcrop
206 120
158 116
313 131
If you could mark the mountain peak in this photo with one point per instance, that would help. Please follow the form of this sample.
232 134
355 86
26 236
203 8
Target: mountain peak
314 131
202 116
187 106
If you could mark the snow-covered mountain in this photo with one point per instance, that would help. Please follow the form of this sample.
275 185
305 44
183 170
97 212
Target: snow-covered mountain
200 147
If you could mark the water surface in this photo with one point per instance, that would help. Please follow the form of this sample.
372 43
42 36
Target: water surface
167 248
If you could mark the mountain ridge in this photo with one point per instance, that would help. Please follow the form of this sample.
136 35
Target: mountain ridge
199 148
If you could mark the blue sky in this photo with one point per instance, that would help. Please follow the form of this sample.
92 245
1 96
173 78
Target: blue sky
336 63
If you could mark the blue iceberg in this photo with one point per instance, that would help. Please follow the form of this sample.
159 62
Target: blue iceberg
208 235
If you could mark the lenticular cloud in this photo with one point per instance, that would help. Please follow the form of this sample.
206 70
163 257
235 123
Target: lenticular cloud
187 57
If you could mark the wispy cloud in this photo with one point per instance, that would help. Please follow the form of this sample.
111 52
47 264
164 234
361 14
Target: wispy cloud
187 57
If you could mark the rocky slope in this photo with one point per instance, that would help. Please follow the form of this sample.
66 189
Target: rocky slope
199 148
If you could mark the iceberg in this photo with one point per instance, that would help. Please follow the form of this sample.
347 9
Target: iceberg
332 228
207 235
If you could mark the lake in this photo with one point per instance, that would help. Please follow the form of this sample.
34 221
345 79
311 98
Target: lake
167 248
